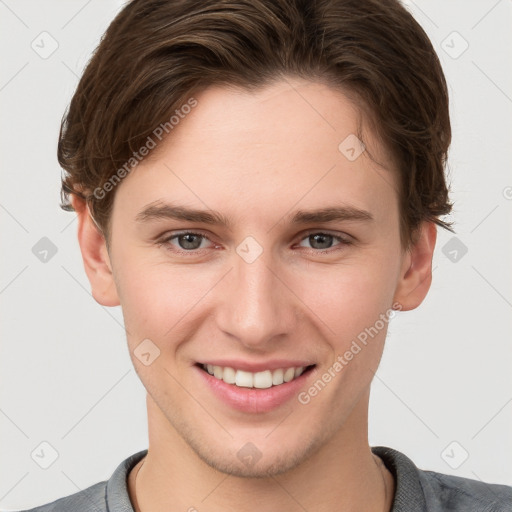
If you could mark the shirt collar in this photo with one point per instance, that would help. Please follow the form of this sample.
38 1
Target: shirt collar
117 496
409 496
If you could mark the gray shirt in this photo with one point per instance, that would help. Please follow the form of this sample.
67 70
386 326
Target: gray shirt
416 490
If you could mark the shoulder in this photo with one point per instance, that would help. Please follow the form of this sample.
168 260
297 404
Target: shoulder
420 490
457 493
105 496
92 498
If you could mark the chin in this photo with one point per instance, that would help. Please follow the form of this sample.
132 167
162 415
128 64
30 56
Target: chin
259 464
256 456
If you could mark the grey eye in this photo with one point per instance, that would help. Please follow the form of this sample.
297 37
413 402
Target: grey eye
189 241
321 240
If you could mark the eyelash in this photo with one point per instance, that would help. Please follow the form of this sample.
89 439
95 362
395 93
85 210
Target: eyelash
166 241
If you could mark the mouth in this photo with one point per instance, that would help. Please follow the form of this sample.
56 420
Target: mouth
264 379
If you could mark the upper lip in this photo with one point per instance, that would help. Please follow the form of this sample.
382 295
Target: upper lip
253 367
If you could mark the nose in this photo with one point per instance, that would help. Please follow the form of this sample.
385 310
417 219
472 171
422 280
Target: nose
255 305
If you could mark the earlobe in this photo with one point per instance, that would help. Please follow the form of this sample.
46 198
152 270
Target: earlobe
95 256
416 272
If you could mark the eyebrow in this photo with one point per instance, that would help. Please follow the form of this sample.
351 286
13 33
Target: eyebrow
159 210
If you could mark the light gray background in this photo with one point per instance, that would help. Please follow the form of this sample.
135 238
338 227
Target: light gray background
65 370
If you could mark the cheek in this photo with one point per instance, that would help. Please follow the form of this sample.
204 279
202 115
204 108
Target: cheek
350 298
355 303
159 301
153 297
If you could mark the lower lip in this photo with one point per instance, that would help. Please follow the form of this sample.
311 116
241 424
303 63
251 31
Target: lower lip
254 400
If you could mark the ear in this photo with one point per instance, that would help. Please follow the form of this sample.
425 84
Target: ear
416 271
95 256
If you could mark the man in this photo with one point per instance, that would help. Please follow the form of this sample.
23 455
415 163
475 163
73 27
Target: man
258 185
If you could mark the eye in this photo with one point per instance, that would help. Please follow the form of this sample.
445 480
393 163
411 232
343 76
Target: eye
192 242
186 241
322 242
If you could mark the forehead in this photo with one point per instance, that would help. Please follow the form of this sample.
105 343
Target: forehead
289 142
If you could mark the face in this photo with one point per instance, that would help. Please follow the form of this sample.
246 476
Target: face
262 287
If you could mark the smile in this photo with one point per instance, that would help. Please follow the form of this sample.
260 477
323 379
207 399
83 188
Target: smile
259 380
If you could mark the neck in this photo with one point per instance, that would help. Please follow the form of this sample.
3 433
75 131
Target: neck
343 475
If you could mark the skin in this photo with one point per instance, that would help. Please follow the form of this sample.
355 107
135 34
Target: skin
257 158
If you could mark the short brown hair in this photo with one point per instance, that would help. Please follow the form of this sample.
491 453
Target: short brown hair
157 53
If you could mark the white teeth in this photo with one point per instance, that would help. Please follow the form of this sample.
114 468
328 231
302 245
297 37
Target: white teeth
259 380
229 375
289 374
217 372
263 380
244 379
277 377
